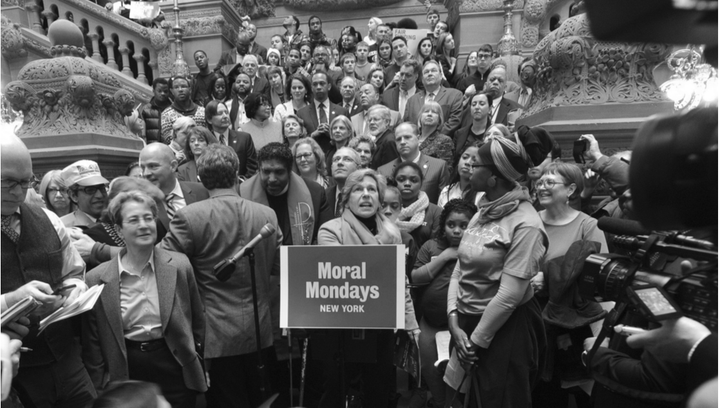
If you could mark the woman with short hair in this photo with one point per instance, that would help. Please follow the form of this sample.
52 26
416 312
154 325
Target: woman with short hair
365 147
198 140
261 127
55 193
309 161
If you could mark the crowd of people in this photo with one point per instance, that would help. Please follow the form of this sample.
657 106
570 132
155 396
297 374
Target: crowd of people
354 141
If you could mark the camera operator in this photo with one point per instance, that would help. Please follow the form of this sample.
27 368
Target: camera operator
614 170
679 349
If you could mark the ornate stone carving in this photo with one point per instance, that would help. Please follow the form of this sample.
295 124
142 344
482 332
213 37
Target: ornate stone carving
203 25
337 5
575 69
11 3
67 94
257 8
13 43
534 13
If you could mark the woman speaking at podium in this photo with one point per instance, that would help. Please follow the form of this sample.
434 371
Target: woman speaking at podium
362 223
495 322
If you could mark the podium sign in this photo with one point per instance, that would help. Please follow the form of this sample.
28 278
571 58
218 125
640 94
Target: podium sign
342 287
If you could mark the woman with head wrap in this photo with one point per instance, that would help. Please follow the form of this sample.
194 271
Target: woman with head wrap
494 320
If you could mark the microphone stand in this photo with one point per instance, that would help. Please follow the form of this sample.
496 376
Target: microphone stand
264 389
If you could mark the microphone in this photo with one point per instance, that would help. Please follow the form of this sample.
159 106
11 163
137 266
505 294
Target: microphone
619 226
224 269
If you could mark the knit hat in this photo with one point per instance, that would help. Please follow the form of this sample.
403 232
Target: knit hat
273 51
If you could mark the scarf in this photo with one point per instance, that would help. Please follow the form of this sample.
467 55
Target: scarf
185 112
300 206
355 232
413 215
504 205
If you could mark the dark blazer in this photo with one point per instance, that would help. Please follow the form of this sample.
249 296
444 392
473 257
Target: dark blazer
323 212
355 108
506 105
330 193
460 139
243 145
181 311
391 98
385 150
193 192
449 99
309 115
261 86
430 226
227 61
435 174
259 51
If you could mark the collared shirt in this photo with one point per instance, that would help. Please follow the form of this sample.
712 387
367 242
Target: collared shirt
433 93
226 135
403 98
73 267
496 108
525 95
417 158
178 200
326 103
139 301
348 105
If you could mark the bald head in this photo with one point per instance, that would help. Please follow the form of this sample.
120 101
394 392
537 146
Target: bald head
16 169
158 165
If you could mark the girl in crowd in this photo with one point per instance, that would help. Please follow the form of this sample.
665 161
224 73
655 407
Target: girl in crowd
384 53
559 184
341 132
261 127
433 267
459 186
293 63
373 24
365 147
277 87
298 88
218 88
446 55
197 142
292 129
306 55
425 50
310 161
432 143
495 322
362 223
474 133
54 191
419 217
377 77
469 69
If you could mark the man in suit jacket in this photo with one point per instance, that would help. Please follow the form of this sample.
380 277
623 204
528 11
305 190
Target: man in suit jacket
260 84
107 348
349 89
379 120
318 114
208 233
217 115
255 48
159 166
396 98
369 97
449 99
435 172
345 161
523 94
501 105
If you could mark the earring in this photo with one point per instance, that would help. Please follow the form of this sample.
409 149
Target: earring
567 200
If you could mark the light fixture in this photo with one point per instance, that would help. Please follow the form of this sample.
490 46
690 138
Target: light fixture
693 82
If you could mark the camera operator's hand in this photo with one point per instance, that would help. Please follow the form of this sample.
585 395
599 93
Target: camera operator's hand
593 151
673 341
590 182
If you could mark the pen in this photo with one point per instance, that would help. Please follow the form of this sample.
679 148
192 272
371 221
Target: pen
628 330
25 349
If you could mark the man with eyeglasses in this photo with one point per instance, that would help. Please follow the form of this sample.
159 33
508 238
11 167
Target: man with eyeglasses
345 161
470 84
37 259
379 120
435 172
300 205
87 188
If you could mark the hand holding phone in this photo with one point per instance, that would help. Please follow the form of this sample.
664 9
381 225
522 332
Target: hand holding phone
64 291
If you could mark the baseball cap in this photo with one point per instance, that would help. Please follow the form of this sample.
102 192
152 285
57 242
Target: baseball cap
83 173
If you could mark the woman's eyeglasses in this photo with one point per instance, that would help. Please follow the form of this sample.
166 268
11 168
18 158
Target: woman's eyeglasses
305 156
548 184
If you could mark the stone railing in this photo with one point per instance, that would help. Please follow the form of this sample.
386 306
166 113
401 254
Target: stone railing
117 42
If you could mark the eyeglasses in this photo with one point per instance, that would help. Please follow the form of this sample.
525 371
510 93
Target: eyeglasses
24 184
484 56
91 190
548 184
56 190
305 156
345 159
135 221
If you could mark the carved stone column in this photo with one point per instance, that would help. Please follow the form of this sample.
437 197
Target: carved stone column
95 38
110 45
34 16
49 16
155 69
126 61
140 67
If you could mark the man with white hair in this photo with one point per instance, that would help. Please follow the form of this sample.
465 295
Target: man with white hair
379 120
369 97
449 99
260 85
345 161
